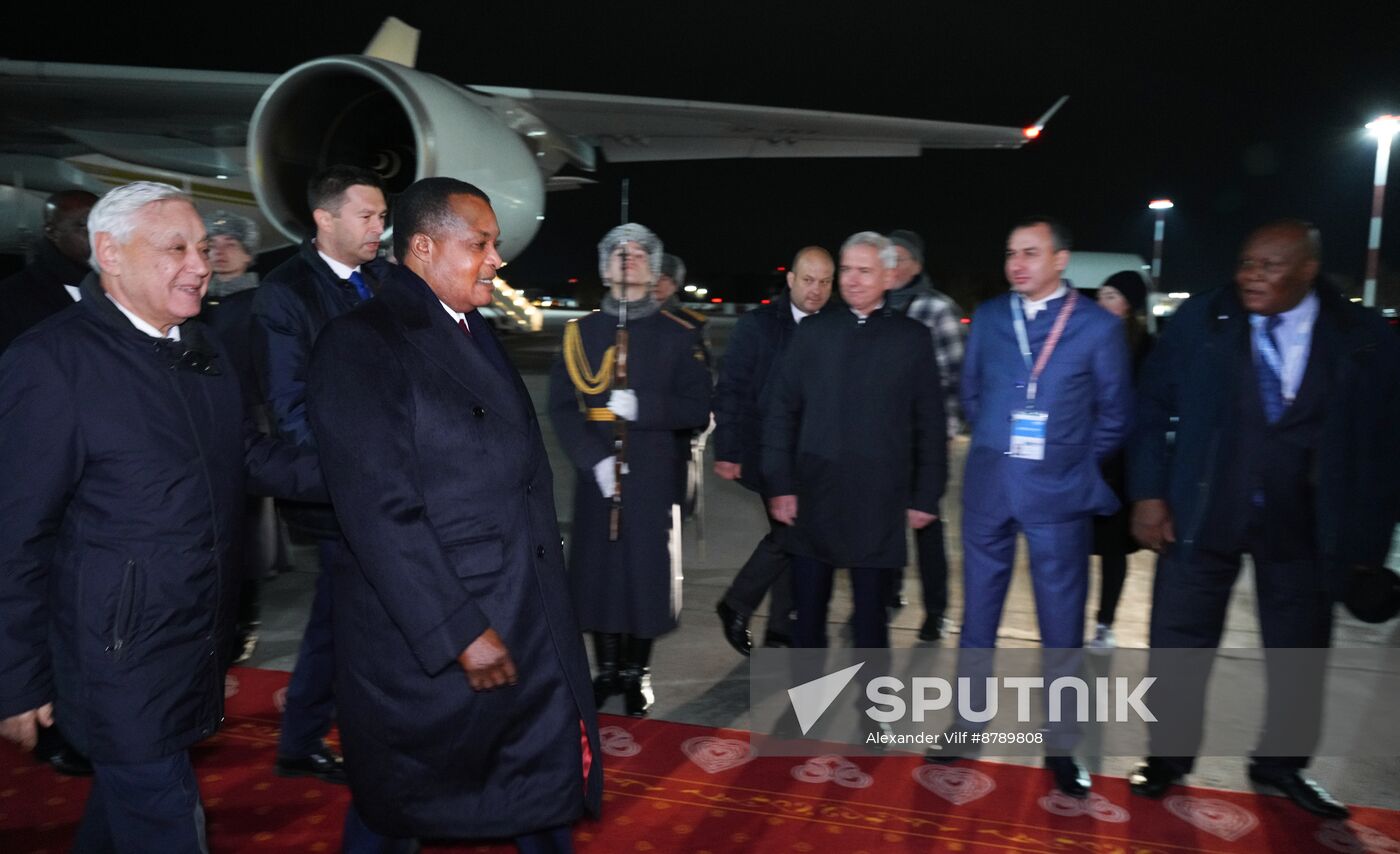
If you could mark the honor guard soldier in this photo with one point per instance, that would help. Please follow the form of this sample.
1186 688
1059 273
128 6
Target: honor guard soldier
630 376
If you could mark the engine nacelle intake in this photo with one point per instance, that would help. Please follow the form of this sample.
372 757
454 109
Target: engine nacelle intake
402 124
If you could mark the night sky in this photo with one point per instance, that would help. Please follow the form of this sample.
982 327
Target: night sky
1239 114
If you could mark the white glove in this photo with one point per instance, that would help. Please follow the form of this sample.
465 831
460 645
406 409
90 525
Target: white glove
605 473
623 403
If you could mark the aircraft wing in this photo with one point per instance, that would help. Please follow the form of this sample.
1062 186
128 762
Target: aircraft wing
61 109
630 129
249 142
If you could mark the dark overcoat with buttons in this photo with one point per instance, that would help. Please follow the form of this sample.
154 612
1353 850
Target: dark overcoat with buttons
122 481
632 584
438 473
854 427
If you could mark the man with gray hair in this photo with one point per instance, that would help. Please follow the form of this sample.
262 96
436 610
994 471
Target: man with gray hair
854 444
124 460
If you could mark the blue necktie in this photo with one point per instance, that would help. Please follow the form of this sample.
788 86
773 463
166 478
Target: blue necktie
476 328
359 282
1270 383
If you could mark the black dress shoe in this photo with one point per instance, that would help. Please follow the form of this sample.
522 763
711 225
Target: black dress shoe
637 695
932 629
736 628
776 640
1152 777
605 685
323 764
954 744
1302 791
64 759
1070 776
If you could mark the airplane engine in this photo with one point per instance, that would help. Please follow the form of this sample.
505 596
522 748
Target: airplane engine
400 123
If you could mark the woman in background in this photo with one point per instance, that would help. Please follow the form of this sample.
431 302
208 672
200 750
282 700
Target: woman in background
1125 296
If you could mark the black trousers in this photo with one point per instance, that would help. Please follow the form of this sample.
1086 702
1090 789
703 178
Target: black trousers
933 571
1113 571
812 583
1189 603
768 571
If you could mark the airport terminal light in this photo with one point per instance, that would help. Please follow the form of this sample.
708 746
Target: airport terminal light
1384 129
1160 207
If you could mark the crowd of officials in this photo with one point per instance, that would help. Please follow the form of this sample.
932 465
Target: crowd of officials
154 394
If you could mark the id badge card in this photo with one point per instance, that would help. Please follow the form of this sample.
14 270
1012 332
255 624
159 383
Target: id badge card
1028 434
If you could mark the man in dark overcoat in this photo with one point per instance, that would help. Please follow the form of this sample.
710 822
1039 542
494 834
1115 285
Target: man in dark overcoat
759 338
627 581
49 284
464 701
854 444
123 452
1284 399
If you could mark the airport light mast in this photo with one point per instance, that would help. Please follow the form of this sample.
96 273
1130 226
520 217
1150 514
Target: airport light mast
1383 129
1160 208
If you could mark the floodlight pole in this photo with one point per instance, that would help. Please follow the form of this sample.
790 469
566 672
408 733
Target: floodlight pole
1384 129
1160 208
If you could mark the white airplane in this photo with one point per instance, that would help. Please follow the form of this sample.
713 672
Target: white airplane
249 142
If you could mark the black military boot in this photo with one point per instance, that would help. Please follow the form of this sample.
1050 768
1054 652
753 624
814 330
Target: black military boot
636 676
607 650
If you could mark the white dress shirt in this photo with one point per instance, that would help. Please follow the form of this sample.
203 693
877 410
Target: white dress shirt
1032 307
143 325
336 267
1294 339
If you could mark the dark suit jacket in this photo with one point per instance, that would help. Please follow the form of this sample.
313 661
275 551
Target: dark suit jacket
123 469
1190 377
438 472
754 347
290 308
1086 390
36 292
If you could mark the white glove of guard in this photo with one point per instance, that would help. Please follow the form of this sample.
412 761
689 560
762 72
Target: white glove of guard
605 473
623 403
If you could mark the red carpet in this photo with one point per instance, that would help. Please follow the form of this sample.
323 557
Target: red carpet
675 787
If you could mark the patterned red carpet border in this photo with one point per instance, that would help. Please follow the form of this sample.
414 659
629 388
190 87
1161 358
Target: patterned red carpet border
676 787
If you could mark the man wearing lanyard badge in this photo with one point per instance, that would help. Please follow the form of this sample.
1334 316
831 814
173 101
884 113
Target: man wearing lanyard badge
1047 390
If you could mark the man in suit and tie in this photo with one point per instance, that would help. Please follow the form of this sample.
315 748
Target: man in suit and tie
1285 402
755 346
465 705
1046 386
332 273
50 283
